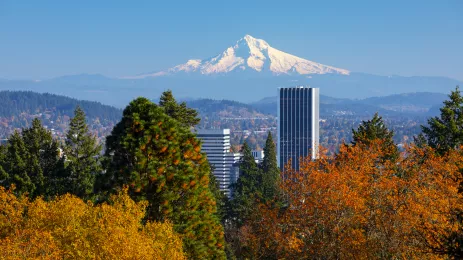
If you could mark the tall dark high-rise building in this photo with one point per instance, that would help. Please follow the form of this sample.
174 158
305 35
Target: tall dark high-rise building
298 124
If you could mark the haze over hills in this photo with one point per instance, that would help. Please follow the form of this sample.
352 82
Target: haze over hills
248 71
419 103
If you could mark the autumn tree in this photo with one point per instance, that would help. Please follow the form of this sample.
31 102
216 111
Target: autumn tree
82 153
69 228
445 132
163 164
187 117
351 207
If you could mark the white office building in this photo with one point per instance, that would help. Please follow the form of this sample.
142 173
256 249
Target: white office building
258 155
216 145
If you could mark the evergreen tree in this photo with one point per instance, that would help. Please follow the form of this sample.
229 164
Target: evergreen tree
420 140
187 117
375 129
82 157
162 163
270 170
45 164
221 200
445 132
32 162
3 174
15 167
248 189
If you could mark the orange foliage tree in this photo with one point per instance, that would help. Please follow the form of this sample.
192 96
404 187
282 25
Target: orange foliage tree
68 228
355 205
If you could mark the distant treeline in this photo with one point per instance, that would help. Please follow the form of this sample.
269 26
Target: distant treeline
13 103
206 106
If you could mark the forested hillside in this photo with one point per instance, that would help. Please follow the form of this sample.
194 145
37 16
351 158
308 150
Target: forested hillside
19 108
17 102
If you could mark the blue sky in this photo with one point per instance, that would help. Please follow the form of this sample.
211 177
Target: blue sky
44 39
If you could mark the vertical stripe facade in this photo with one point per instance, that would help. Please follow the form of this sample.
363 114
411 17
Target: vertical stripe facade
298 124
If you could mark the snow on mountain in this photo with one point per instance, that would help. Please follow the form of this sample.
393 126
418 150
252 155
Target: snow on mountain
250 53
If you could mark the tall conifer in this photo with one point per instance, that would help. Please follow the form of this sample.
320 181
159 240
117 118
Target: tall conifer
248 189
270 170
82 153
15 167
32 162
445 132
162 163
187 117
375 129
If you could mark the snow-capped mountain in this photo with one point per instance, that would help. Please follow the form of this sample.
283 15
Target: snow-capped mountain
251 54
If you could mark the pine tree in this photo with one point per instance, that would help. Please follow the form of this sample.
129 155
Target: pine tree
82 157
221 200
248 189
375 129
162 163
45 166
31 162
187 117
3 174
15 167
270 170
445 132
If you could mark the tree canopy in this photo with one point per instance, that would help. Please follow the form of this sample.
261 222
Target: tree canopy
82 153
445 132
32 162
270 169
187 117
162 163
376 129
69 228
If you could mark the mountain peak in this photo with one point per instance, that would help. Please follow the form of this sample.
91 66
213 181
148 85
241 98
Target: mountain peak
254 42
251 54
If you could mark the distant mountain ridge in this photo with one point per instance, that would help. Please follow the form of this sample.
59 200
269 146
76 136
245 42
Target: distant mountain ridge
247 71
250 53
418 103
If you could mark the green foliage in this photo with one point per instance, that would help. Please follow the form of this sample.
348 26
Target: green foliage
445 132
248 189
221 200
31 162
374 129
371 130
82 152
270 170
187 117
162 163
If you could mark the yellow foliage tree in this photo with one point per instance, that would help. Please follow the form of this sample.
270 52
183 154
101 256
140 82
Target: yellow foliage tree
68 228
